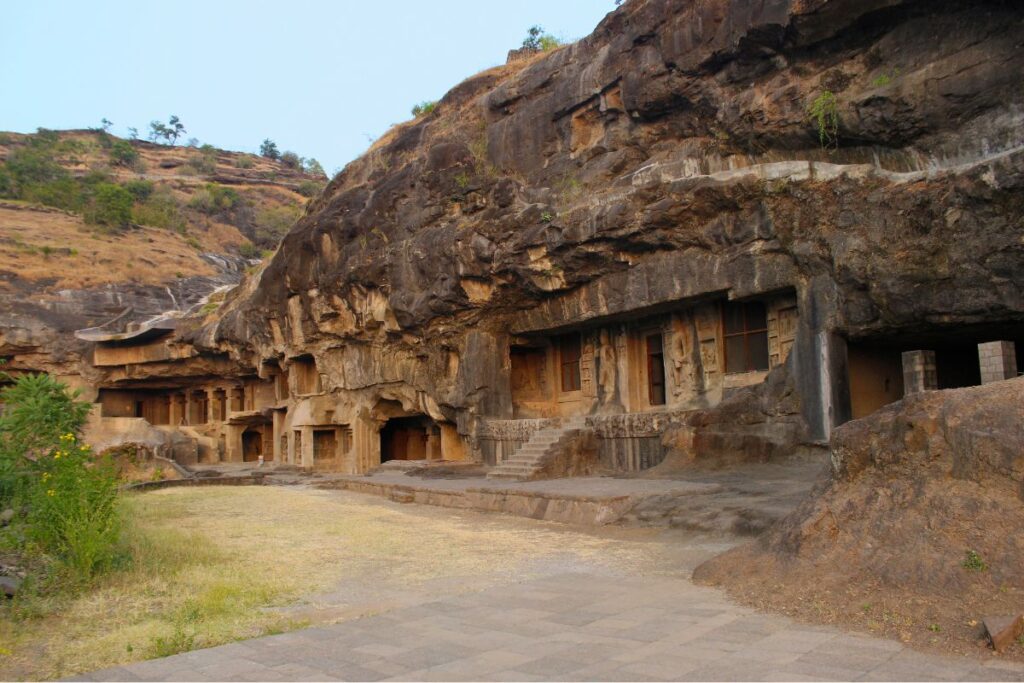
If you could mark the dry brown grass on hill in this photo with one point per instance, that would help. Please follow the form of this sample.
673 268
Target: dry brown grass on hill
53 246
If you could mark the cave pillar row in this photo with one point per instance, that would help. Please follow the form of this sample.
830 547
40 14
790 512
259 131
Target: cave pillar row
211 406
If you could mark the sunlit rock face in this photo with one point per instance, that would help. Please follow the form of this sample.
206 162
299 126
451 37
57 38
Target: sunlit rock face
649 220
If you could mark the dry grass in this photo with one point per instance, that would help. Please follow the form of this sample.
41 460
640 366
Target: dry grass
55 246
222 564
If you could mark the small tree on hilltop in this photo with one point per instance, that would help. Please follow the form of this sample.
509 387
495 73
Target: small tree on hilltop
269 150
175 129
313 167
291 160
539 41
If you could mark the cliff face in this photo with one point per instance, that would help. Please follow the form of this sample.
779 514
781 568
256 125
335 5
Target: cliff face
670 155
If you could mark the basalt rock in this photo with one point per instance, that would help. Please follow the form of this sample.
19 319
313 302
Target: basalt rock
667 156
926 498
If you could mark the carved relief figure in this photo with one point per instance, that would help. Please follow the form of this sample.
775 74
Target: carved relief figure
607 368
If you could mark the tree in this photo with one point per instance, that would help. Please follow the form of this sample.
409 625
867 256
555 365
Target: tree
133 133
170 132
424 108
106 123
269 150
175 129
539 41
291 160
313 167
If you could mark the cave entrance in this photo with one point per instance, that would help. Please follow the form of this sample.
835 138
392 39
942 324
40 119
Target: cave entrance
876 377
407 438
252 445
957 366
529 382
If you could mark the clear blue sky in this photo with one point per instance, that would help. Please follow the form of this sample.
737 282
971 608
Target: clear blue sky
319 78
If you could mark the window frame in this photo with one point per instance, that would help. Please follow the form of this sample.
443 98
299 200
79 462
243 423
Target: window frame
747 333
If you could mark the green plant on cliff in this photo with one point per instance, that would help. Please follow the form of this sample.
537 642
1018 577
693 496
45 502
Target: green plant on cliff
973 562
423 108
824 112
540 41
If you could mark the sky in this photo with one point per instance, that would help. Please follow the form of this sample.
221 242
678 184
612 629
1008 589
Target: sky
320 78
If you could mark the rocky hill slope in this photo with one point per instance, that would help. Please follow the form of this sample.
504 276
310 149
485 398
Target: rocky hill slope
191 220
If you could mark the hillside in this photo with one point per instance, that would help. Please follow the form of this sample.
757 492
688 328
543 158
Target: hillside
92 225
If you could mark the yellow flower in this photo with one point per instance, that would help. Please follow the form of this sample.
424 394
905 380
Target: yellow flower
57 455
83 448
46 475
51 493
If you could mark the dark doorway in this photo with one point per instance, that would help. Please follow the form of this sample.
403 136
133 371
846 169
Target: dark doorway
958 366
252 445
405 438
655 369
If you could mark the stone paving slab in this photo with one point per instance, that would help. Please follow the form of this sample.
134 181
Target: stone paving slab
650 628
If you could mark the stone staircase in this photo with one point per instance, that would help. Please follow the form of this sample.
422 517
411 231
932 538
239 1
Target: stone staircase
544 444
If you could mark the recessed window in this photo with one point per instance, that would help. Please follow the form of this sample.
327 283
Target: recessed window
655 370
746 337
569 361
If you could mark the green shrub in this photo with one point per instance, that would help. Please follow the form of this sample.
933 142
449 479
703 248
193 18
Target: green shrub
214 199
313 167
160 210
34 164
244 162
7 188
824 112
540 41
249 250
204 161
269 149
424 108
112 206
122 153
310 188
973 562
64 193
291 160
70 496
141 190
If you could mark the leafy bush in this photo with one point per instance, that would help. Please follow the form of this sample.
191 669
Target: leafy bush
34 164
214 199
70 496
112 206
310 188
973 562
291 160
244 162
203 162
160 210
539 41
248 250
122 153
6 182
64 193
141 190
424 108
824 112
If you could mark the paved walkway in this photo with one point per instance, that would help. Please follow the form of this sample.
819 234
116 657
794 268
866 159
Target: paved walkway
569 627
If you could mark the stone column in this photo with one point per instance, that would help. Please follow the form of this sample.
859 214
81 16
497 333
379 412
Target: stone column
187 405
998 360
233 442
279 416
433 447
176 409
919 372
237 399
211 406
306 456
